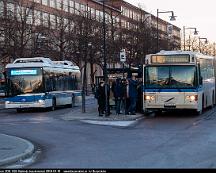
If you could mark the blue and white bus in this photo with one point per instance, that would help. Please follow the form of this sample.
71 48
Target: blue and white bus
2 81
41 83
176 80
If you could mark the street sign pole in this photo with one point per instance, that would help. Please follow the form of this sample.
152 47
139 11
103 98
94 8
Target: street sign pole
123 59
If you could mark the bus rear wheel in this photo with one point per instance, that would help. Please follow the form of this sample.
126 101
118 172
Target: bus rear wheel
212 104
71 105
53 107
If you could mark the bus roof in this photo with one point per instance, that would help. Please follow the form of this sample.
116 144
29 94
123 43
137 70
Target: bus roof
41 62
196 54
67 64
175 57
31 62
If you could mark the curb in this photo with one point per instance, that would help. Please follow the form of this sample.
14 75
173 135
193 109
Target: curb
94 117
28 152
110 123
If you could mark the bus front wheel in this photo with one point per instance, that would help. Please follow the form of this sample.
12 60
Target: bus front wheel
53 107
198 112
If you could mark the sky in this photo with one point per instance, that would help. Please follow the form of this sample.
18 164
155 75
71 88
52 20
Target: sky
190 13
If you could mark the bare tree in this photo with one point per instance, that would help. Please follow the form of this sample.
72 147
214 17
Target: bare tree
20 22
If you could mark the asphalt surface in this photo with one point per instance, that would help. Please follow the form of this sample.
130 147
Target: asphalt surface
14 149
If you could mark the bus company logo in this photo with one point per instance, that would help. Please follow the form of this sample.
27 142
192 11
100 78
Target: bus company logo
169 99
23 100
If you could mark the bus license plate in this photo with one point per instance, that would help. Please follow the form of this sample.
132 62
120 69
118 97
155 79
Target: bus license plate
24 106
170 106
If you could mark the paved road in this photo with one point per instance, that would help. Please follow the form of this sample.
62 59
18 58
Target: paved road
166 141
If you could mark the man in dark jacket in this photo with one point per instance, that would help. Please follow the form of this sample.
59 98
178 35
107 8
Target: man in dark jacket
118 94
100 95
133 93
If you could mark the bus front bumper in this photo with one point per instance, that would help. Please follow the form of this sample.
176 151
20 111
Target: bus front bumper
171 107
10 105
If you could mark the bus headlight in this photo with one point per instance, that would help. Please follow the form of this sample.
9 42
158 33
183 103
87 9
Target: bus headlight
150 98
7 102
41 101
192 97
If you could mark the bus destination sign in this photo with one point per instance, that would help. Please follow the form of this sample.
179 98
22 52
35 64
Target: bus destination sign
16 72
162 59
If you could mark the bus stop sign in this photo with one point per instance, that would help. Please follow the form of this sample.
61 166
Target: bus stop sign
122 55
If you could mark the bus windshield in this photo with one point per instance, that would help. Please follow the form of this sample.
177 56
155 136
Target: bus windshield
170 76
25 80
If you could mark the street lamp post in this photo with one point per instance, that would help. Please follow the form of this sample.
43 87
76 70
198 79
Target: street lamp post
202 38
172 18
105 60
214 48
195 33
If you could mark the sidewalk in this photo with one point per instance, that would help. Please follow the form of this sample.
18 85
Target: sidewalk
91 115
13 149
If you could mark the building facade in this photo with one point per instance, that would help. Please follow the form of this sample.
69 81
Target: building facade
73 30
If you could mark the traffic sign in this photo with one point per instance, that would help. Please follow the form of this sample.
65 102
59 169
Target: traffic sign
122 55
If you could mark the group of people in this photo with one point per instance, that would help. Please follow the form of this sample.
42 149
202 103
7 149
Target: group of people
125 92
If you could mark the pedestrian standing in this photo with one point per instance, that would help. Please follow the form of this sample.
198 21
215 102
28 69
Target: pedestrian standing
133 93
118 94
125 97
100 95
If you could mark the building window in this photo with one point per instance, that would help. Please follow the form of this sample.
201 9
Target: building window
126 12
131 14
66 5
10 9
2 35
45 2
97 15
20 13
82 8
92 13
72 25
52 21
37 17
29 16
59 4
1 8
77 8
117 22
123 23
101 16
45 19
66 25
37 1
107 17
53 3
71 6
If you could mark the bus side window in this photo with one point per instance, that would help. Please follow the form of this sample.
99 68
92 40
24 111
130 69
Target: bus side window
200 75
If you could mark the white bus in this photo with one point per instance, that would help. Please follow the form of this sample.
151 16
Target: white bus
41 83
176 80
